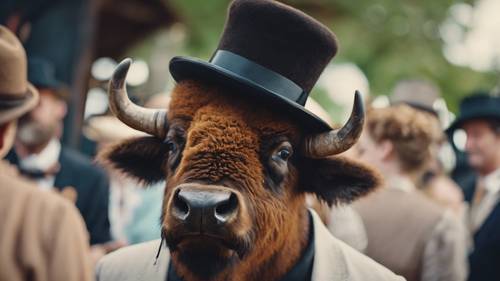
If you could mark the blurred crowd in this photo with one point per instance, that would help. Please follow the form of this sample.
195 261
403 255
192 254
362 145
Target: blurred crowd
422 223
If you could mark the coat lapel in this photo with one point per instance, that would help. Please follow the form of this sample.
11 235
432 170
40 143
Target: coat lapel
328 262
64 176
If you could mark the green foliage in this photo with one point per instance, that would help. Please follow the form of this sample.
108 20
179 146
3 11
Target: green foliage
388 39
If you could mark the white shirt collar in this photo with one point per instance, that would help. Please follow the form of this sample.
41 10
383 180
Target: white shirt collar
492 182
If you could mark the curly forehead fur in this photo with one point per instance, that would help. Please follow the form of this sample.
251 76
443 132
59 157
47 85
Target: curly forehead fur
189 97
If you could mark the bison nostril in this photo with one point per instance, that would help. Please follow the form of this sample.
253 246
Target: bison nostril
181 207
226 209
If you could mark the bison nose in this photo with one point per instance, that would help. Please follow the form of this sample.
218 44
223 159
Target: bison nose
204 207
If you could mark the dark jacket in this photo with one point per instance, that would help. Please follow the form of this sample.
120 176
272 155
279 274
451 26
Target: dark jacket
485 257
92 187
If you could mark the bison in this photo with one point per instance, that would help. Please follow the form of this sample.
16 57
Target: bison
237 167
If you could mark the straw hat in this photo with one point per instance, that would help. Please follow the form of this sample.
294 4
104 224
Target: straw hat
17 95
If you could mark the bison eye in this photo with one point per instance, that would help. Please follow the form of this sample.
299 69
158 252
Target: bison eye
171 146
284 154
278 164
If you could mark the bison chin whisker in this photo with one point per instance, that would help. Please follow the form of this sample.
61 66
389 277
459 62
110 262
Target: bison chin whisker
203 257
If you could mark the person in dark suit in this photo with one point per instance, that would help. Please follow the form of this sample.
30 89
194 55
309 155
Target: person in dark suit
39 155
480 119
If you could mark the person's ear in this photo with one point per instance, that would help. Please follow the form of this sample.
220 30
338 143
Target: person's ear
62 109
7 136
386 148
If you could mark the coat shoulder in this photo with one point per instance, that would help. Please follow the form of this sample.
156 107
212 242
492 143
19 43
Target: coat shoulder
335 260
361 267
137 262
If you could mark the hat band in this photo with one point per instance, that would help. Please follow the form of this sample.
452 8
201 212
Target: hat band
9 100
265 78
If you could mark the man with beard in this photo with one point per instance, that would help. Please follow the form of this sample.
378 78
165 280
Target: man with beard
40 155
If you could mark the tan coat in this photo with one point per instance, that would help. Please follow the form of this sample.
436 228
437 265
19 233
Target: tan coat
333 261
411 235
42 236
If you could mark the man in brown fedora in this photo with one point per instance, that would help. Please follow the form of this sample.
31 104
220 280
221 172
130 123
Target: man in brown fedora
41 156
42 236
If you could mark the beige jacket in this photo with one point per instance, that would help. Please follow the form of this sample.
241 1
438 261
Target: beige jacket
42 236
411 235
333 261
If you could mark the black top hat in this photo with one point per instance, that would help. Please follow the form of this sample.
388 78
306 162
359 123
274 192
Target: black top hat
480 105
270 51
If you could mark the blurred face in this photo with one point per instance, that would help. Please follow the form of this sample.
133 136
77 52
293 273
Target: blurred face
482 146
43 122
51 109
371 152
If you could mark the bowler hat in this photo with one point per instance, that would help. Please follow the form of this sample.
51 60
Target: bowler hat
480 105
17 95
268 51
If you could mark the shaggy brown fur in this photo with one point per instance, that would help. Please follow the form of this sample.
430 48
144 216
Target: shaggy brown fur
225 139
145 154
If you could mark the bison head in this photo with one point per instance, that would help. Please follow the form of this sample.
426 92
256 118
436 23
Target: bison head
236 172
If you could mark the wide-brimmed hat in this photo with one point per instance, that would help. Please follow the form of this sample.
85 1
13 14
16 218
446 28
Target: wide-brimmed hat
17 95
479 105
269 51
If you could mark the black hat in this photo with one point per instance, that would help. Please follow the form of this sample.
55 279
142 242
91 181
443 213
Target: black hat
477 106
268 50
42 74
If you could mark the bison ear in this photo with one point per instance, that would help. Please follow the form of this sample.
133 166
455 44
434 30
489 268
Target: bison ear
337 179
141 158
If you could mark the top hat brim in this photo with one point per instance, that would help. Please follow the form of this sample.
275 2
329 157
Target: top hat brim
184 68
460 120
28 103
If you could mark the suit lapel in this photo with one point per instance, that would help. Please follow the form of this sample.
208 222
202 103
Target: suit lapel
328 262
491 221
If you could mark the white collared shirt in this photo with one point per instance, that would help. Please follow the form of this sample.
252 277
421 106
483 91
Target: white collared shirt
479 212
44 160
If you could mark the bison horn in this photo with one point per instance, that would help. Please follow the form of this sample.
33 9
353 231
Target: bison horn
151 121
338 140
